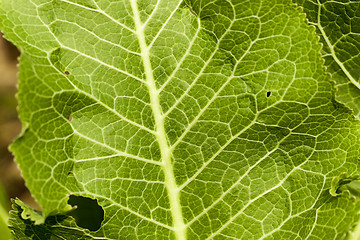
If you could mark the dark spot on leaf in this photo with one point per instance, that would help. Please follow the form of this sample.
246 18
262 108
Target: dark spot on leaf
192 12
69 173
268 94
67 73
87 212
70 118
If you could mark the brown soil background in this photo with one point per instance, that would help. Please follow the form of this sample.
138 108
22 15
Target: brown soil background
10 126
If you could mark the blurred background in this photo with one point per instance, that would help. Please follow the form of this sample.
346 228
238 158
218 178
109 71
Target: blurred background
11 183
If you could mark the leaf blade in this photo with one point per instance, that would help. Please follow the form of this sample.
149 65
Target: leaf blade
153 133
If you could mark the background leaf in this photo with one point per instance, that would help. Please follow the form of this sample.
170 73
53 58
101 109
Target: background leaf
55 227
338 25
4 216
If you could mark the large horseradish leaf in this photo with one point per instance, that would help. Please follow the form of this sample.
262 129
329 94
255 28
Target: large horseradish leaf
202 119
338 25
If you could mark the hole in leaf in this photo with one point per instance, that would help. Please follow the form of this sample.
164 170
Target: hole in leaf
67 73
87 213
268 94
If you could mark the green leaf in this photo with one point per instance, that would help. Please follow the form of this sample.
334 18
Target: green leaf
55 227
338 25
195 120
4 215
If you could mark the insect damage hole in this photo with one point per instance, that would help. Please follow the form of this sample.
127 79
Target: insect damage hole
87 212
268 94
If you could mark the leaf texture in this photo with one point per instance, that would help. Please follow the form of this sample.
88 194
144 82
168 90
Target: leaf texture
185 120
338 25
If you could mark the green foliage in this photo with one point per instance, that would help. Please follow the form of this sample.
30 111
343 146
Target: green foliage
186 120
338 26
4 216
55 227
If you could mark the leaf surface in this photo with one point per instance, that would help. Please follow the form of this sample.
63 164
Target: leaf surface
338 25
184 120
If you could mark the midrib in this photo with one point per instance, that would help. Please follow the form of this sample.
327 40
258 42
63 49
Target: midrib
170 183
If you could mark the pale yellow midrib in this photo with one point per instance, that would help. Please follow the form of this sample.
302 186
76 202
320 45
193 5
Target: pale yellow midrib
170 183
